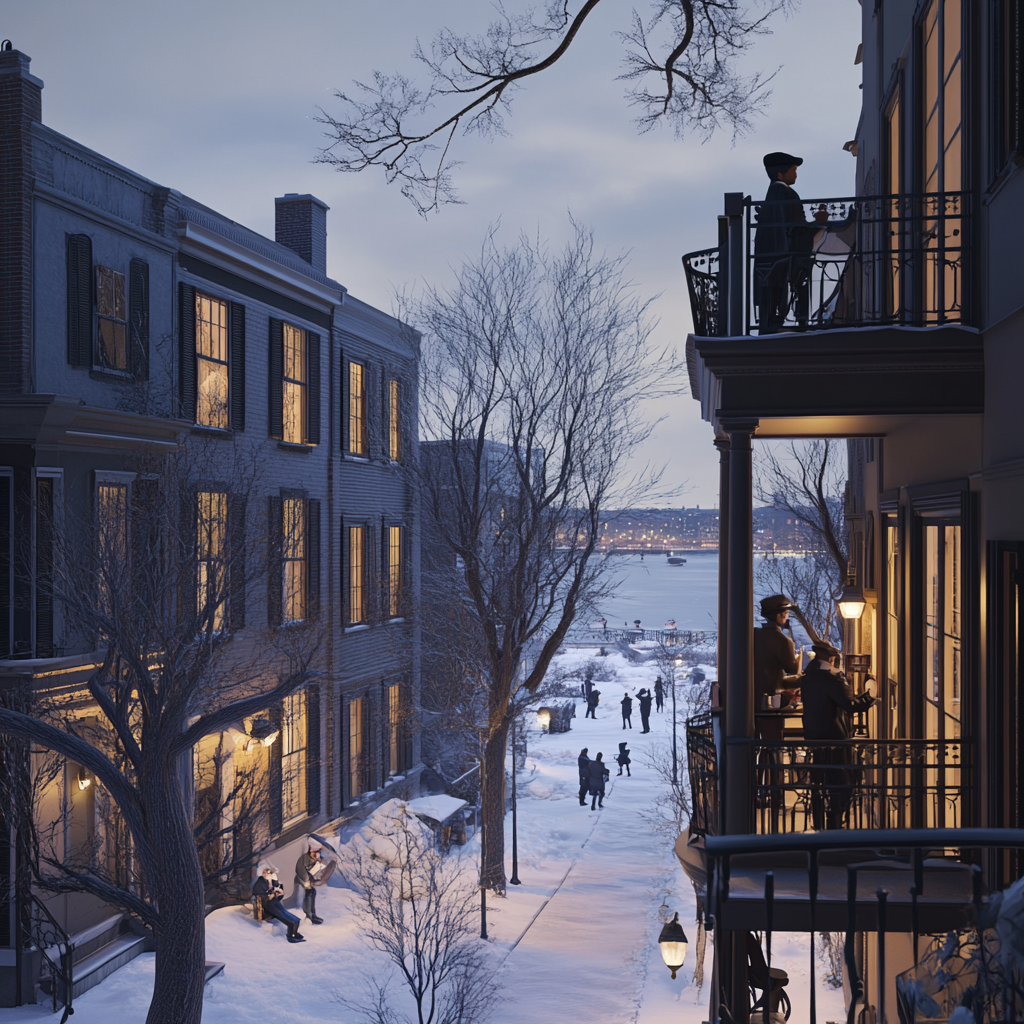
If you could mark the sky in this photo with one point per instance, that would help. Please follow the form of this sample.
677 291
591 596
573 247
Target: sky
219 98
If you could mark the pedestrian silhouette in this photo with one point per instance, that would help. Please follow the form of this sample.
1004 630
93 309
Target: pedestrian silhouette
623 759
646 700
599 771
593 699
659 694
627 711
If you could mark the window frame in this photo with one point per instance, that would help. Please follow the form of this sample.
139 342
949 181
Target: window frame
222 613
356 594
301 383
98 360
293 777
357 753
356 410
300 508
200 359
396 570
394 419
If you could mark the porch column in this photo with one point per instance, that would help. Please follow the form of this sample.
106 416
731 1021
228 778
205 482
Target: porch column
722 444
739 701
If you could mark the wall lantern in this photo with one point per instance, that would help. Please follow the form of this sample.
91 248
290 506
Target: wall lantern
264 731
544 718
84 782
851 601
672 942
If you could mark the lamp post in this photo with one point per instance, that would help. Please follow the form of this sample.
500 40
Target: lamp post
672 943
514 880
675 756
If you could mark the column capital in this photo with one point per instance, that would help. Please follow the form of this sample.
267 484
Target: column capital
739 426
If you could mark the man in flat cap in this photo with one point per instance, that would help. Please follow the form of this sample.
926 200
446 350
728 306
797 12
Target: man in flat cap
782 247
776 664
829 703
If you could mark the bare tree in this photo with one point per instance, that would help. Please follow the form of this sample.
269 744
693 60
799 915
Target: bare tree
682 61
807 479
535 372
155 582
419 911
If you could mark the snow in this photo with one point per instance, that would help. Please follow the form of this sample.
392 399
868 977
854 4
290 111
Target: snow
576 941
438 808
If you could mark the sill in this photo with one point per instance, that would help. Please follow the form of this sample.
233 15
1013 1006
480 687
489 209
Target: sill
211 431
397 619
290 446
359 627
107 374
353 457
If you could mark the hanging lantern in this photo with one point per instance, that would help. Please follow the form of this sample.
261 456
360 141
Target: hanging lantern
672 942
851 601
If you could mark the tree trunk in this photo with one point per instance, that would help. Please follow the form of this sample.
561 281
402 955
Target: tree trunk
492 799
175 882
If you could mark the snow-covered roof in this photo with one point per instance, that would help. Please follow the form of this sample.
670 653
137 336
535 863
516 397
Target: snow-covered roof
437 808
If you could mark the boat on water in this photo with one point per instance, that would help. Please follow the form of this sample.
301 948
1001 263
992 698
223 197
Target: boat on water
676 560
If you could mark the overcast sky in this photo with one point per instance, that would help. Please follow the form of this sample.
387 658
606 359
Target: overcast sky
218 98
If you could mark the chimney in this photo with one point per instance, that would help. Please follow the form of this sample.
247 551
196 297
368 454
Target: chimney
21 103
300 223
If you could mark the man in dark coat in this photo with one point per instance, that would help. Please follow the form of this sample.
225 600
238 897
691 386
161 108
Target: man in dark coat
776 664
783 241
659 694
593 699
627 711
307 868
269 892
599 771
584 765
646 700
623 759
829 702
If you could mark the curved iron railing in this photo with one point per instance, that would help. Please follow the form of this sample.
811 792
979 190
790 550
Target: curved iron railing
40 931
702 283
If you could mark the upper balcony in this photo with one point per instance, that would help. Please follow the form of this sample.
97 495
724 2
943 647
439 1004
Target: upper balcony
851 311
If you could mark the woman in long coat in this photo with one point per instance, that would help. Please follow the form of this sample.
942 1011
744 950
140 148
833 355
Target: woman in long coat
599 771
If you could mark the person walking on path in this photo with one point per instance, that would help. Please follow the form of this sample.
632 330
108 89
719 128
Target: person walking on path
659 694
584 764
646 700
627 711
623 759
587 685
599 771
593 699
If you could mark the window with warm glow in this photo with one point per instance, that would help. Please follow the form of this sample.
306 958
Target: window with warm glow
357 408
294 385
293 758
211 362
293 556
356 574
394 729
394 422
356 750
394 571
113 316
112 540
211 548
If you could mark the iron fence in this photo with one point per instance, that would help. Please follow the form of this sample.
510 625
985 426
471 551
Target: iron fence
702 765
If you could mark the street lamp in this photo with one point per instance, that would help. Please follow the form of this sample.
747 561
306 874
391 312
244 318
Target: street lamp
851 601
678 664
672 942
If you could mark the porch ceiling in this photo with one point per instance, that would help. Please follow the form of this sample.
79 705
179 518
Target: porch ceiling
843 383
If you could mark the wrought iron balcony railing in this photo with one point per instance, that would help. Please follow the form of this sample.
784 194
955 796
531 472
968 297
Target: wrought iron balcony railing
829 263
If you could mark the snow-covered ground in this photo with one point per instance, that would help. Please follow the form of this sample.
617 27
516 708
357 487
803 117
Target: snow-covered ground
578 940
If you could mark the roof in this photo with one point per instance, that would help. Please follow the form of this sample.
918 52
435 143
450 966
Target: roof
437 808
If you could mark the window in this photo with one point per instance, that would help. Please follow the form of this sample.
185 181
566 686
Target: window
942 96
942 596
892 621
211 552
212 362
112 542
294 385
293 555
293 758
394 729
356 574
113 318
394 421
357 409
356 748
892 187
394 571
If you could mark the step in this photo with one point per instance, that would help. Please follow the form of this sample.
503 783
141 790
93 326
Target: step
88 940
213 968
98 966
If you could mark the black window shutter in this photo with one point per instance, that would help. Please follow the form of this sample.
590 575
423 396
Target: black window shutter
138 312
343 570
236 366
187 352
188 599
80 300
312 388
145 541
344 785
343 401
276 716
44 567
275 581
275 387
313 555
236 540
5 566
406 743
313 750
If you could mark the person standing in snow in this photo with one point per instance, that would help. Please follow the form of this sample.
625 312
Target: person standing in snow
623 759
593 699
627 711
599 771
659 694
646 700
269 891
584 764
307 868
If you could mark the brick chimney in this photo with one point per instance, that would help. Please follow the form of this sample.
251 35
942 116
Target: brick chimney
21 103
300 222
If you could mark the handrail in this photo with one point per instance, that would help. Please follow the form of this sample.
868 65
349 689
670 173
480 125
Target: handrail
62 969
868 839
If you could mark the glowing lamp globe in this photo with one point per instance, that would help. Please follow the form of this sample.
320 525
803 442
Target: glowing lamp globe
544 718
851 602
672 943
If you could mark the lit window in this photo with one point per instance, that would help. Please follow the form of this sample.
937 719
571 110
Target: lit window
211 574
356 749
394 728
394 570
293 555
394 423
212 362
293 758
357 408
112 520
294 385
356 574
113 348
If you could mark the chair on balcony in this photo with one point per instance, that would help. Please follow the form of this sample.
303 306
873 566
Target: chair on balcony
770 984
